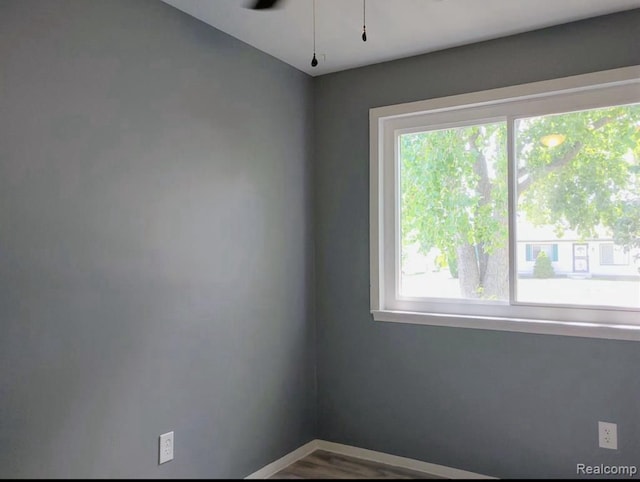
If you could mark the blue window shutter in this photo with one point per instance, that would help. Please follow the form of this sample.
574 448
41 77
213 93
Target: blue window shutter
555 253
529 256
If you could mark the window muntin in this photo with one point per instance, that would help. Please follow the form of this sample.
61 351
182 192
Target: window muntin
389 124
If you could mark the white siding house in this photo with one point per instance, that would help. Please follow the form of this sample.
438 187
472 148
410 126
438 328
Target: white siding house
572 256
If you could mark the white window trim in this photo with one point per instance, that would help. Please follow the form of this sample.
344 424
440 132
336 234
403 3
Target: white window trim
612 87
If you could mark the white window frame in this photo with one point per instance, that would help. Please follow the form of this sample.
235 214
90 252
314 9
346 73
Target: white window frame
588 91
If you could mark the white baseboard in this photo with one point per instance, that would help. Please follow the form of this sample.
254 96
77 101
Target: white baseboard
372 455
284 462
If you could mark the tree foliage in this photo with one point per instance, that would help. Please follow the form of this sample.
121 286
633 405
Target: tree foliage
543 267
626 227
586 181
454 187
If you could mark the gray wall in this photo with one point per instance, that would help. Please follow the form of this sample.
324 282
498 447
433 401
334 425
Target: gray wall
498 403
155 245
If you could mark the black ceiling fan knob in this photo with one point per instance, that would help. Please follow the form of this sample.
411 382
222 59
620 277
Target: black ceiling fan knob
264 4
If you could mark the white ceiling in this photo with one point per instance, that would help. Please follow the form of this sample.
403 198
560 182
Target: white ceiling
395 29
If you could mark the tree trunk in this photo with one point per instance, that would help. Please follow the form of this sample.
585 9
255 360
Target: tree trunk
483 275
495 282
468 271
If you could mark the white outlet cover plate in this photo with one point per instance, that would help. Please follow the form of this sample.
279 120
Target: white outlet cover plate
166 447
608 435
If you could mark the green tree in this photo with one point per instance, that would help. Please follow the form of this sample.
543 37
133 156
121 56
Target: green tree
543 267
626 228
454 187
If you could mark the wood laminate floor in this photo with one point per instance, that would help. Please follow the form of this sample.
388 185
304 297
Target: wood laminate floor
327 465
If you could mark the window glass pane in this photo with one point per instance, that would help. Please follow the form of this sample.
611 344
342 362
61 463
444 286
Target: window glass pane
613 254
606 254
453 212
578 178
550 250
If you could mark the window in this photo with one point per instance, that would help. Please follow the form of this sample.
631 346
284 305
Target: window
613 255
445 197
487 209
550 251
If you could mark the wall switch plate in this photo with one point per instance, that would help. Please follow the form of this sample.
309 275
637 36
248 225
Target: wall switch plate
608 435
166 447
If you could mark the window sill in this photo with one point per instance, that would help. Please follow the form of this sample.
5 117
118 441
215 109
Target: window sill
542 327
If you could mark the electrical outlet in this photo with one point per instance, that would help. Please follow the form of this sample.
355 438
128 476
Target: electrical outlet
166 447
608 435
